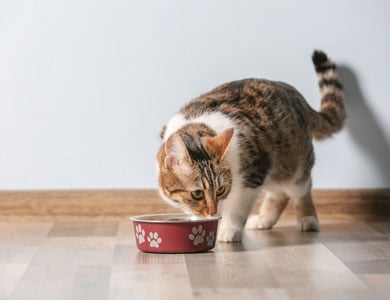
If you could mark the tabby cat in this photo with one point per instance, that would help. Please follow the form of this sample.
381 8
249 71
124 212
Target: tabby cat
224 147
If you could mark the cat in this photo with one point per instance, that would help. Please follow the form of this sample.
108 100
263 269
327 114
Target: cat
245 137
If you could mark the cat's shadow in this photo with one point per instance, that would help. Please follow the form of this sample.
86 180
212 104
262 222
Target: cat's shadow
363 125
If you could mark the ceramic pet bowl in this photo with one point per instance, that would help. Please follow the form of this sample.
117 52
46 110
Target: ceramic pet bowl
175 233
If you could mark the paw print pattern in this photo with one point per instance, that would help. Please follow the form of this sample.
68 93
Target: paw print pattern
140 234
197 235
154 240
210 238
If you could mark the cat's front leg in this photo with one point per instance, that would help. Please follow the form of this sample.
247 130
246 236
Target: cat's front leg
229 231
235 210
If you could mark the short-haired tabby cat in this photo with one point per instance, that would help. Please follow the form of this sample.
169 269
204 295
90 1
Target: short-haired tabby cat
224 147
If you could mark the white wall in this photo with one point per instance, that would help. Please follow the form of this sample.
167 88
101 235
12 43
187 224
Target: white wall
85 86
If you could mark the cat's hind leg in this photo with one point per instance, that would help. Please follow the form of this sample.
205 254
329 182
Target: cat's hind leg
271 208
305 210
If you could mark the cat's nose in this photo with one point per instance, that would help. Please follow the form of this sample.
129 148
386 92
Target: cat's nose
211 205
212 211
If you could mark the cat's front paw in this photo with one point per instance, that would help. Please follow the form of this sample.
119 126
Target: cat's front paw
229 234
257 222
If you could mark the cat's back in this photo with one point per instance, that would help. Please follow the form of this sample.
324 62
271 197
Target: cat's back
246 96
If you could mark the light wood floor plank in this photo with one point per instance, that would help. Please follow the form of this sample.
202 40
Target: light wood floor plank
99 260
382 227
91 282
24 234
241 294
380 283
19 242
370 266
72 229
44 281
242 270
149 281
77 251
313 271
360 247
10 275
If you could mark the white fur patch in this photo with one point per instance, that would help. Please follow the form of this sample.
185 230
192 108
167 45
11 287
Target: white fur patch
290 188
329 74
173 125
217 122
328 89
174 204
235 210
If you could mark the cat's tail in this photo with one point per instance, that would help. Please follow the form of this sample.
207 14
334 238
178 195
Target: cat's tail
331 117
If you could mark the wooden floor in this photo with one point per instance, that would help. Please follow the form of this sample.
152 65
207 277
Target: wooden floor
99 260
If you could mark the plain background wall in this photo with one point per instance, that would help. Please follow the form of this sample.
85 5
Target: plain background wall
85 86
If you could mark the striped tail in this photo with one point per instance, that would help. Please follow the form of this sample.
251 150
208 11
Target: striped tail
331 117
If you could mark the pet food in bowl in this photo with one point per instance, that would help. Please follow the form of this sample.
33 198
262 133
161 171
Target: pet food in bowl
175 233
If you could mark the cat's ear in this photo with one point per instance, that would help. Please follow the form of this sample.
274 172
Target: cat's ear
175 152
218 145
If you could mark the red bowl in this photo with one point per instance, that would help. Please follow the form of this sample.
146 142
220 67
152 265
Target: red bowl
175 233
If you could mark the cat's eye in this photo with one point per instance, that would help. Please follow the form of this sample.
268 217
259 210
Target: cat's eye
197 195
220 190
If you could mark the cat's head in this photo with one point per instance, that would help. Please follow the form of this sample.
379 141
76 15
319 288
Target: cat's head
193 173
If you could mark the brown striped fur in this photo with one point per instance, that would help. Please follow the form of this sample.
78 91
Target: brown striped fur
273 128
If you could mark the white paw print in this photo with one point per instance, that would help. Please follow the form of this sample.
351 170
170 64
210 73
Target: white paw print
154 240
211 238
140 234
197 235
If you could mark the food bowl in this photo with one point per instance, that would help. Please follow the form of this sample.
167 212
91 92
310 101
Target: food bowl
175 233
